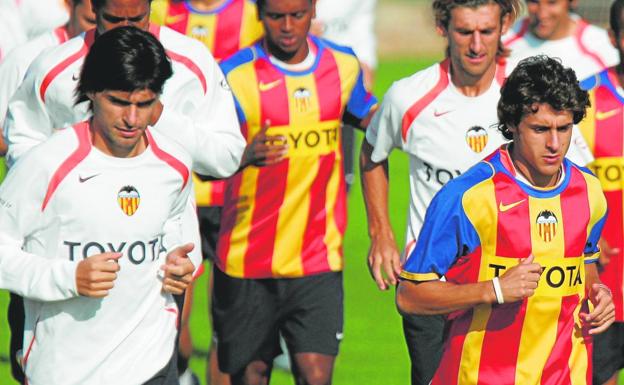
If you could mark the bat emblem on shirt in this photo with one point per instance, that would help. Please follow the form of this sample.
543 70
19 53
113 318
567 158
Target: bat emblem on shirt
547 225
477 138
128 199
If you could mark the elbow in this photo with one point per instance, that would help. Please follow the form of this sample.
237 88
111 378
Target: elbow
409 304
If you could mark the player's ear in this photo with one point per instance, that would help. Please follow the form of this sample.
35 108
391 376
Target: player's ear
613 38
441 30
506 23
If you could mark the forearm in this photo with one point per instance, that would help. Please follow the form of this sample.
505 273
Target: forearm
35 277
439 297
375 186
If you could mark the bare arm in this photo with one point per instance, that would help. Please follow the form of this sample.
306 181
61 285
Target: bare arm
383 251
603 314
439 297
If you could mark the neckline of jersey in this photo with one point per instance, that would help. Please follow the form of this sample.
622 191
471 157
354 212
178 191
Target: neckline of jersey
312 40
190 8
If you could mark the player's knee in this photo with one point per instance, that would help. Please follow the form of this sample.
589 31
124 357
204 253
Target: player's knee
316 377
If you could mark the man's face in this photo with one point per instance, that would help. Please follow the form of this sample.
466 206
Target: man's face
286 24
119 13
83 17
540 142
549 19
473 36
120 119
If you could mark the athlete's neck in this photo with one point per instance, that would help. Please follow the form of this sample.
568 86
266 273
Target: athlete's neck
530 173
206 5
472 85
619 69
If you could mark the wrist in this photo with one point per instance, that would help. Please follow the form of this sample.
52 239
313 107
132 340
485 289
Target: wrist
498 291
489 295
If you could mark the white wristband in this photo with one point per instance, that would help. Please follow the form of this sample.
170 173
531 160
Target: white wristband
498 291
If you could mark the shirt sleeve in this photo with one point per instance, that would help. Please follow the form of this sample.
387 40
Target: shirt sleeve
27 122
361 101
211 134
384 130
592 251
11 75
42 278
446 235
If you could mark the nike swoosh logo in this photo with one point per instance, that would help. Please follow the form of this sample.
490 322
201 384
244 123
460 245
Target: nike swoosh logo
602 115
75 77
267 86
82 180
172 19
510 206
438 114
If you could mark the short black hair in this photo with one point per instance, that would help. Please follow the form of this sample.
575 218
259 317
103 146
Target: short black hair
262 3
98 4
539 80
124 59
615 16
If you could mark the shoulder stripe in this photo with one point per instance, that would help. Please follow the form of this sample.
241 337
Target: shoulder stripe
84 147
50 76
168 158
415 110
61 34
582 26
188 63
524 28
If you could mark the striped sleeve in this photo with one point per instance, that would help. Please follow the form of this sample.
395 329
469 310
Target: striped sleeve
447 233
361 101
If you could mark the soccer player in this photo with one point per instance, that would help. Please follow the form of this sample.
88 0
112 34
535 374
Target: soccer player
225 27
90 228
516 238
602 129
443 117
14 66
279 258
551 28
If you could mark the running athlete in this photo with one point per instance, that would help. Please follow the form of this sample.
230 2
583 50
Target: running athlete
225 27
12 72
90 228
516 238
279 258
551 28
603 129
443 117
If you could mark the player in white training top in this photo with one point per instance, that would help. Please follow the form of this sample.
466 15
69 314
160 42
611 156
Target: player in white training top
551 28
90 229
197 90
13 67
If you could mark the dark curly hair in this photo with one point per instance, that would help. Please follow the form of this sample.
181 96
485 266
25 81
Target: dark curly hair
539 80
442 8
124 59
98 4
615 16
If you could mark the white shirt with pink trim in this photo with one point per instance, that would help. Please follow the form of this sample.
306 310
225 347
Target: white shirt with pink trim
64 201
587 52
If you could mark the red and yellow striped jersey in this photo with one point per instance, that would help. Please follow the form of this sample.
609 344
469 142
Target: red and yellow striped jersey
603 129
481 224
288 219
224 30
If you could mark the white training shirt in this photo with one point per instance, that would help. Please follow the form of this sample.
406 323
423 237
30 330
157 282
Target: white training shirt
63 202
350 23
443 131
587 51
13 67
197 101
12 33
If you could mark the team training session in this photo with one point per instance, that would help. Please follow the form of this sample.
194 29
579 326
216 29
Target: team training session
312 192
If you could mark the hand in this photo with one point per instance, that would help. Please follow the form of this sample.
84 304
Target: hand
520 281
178 270
265 150
95 275
383 252
606 252
604 311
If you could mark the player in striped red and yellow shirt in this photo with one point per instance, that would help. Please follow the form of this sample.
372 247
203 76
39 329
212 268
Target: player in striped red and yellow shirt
285 212
516 239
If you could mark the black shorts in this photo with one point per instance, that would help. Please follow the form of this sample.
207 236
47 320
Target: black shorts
249 315
209 223
608 353
424 335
